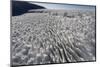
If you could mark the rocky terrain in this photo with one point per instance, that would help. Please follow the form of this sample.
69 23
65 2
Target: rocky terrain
53 36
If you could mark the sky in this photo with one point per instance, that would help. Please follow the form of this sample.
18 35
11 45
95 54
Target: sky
66 6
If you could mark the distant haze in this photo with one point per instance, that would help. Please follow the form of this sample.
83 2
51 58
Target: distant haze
66 6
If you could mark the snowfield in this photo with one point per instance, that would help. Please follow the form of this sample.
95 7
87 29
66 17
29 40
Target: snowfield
46 36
